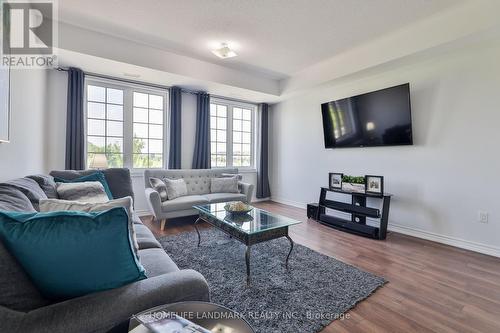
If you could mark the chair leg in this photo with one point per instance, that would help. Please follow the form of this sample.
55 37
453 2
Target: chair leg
162 224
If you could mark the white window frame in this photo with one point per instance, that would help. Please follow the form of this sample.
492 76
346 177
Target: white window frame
230 104
128 115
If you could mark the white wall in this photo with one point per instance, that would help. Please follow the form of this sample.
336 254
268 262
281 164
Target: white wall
25 154
443 180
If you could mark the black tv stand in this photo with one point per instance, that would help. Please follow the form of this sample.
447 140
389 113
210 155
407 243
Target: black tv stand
358 210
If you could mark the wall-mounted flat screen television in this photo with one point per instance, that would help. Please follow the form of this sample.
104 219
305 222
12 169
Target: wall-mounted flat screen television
378 118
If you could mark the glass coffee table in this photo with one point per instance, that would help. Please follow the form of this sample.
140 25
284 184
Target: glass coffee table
251 228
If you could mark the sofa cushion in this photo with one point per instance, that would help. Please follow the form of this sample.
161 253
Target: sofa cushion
47 184
69 254
84 192
223 197
97 176
156 262
118 179
175 188
54 205
183 203
17 292
145 237
224 185
13 200
159 186
30 188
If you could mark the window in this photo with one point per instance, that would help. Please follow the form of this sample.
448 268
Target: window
125 125
232 134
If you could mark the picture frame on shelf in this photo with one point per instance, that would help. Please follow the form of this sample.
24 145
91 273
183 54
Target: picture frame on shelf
335 180
374 184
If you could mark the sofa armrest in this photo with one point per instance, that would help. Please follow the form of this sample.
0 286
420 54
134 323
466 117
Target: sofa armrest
154 202
101 311
246 189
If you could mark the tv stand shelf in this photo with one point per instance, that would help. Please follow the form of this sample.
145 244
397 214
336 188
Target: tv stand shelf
358 210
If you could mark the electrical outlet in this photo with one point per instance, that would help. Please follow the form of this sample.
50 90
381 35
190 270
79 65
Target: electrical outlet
482 217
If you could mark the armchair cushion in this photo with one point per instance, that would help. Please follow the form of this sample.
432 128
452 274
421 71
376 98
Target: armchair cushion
97 176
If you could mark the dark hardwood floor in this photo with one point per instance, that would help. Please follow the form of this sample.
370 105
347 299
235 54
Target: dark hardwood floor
432 287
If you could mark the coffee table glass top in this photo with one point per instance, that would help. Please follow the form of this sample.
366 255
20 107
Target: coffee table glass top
256 221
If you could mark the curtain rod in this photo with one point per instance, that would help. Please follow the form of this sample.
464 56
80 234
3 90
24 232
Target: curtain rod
153 85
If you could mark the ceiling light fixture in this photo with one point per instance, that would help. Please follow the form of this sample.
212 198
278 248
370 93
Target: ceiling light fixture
224 52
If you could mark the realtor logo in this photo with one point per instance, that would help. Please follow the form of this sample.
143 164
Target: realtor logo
28 33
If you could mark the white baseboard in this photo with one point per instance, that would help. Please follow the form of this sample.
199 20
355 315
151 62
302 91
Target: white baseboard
418 233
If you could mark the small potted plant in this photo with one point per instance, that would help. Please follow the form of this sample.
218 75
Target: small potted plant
353 183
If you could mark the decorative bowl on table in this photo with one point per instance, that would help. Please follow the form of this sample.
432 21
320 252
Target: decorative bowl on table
237 208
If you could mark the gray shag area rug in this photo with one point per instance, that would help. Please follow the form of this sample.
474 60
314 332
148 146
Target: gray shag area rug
314 291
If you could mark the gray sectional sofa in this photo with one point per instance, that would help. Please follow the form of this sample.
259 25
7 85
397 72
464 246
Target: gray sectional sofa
198 186
23 309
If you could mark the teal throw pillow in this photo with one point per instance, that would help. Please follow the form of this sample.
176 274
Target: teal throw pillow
98 176
69 254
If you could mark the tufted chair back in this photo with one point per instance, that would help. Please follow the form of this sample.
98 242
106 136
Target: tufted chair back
197 180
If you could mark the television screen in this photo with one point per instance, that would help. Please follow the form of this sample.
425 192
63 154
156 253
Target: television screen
379 118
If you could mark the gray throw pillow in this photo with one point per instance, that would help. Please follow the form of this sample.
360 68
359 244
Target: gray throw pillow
159 186
54 205
224 185
90 192
47 184
175 188
232 175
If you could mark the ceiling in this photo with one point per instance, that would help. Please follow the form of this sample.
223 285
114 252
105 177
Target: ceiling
276 38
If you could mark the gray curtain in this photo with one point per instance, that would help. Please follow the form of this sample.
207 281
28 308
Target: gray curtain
174 160
75 135
201 157
263 190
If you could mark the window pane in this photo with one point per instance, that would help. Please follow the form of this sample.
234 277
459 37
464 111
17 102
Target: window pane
140 100
140 160
237 137
247 126
213 160
156 131
221 111
236 161
246 138
114 128
246 161
115 160
213 110
96 94
96 127
221 148
221 123
236 125
115 145
156 102
156 146
247 114
115 112
140 146
236 149
96 110
213 122
246 149
155 161
115 96
156 117
221 160
140 130
237 113
213 147
95 144
221 136
140 115
213 135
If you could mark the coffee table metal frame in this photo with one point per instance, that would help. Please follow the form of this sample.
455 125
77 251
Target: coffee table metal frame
247 239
